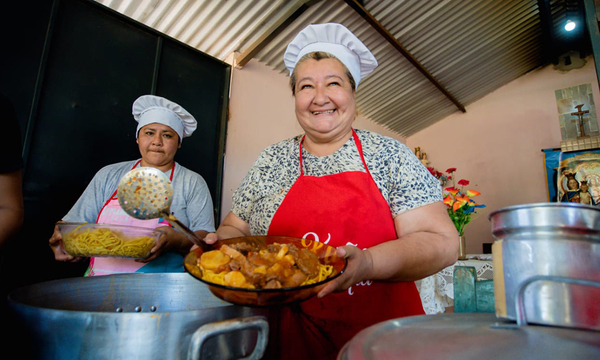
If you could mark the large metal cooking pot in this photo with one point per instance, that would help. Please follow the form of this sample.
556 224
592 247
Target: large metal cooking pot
547 264
468 336
134 316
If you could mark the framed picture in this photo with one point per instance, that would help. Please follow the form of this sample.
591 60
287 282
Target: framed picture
573 176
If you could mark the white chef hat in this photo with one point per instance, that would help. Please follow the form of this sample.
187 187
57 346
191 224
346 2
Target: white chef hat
335 39
149 109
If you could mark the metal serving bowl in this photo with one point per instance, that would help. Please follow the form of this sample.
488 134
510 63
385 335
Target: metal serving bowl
269 297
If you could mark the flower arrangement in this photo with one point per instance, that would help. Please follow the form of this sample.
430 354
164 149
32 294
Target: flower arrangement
443 178
459 204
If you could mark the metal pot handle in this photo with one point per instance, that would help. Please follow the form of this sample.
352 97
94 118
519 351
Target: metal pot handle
520 302
220 327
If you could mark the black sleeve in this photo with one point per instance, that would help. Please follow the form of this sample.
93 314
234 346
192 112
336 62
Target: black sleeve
11 158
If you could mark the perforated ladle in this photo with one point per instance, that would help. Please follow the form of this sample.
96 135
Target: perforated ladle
146 193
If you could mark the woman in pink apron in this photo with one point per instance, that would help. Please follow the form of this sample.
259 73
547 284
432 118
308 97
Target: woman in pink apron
366 194
161 126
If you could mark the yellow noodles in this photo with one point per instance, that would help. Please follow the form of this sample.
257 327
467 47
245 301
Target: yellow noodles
324 272
105 242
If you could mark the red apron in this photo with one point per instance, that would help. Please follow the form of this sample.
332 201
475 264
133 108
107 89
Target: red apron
112 213
340 209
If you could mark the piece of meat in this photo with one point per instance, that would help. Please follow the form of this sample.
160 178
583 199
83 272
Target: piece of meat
308 262
273 284
297 278
247 268
259 260
244 248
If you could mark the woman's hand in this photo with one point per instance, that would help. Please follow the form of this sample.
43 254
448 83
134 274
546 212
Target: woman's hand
211 238
232 226
56 244
360 266
170 240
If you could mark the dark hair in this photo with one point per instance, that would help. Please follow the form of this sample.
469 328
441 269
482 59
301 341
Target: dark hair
319 55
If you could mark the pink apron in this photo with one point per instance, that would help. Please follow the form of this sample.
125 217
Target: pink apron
340 209
112 213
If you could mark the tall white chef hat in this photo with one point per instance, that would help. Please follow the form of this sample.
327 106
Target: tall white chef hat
335 39
149 109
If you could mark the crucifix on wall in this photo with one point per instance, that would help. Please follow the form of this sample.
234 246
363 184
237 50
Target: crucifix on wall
579 113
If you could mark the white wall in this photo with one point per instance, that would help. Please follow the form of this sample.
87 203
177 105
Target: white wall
261 113
497 143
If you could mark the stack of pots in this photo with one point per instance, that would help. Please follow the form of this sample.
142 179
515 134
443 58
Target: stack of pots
547 264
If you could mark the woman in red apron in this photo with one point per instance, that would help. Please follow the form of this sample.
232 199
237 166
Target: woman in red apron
161 126
341 204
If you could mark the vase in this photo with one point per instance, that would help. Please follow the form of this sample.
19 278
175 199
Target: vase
462 248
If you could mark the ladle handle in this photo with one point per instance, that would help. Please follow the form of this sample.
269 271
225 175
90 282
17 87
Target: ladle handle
175 223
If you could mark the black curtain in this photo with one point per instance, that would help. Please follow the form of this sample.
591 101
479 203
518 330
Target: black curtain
72 69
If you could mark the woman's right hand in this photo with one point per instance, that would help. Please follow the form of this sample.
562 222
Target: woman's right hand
56 244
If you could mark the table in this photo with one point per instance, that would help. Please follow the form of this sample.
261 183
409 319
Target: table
437 291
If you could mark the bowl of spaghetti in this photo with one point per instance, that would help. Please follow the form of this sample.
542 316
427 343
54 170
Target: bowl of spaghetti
105 240
264 271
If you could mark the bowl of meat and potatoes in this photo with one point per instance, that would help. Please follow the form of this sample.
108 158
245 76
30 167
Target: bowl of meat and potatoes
265 270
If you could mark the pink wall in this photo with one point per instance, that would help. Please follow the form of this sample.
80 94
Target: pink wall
497 143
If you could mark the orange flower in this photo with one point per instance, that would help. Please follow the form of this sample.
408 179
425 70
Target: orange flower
448 200
452 190
459 202
471 193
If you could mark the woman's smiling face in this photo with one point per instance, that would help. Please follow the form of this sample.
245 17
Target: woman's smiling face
324 99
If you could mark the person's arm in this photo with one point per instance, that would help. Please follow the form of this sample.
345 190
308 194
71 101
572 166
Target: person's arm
232 226
427 243
11 205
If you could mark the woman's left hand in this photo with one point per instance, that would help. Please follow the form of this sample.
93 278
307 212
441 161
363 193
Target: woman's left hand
169 240
360 265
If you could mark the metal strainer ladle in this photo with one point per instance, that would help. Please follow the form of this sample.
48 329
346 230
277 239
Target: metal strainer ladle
146 193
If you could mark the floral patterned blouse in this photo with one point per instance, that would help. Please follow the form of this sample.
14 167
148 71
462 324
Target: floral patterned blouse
403 180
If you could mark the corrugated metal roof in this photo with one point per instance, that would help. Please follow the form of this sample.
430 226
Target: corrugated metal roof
470 47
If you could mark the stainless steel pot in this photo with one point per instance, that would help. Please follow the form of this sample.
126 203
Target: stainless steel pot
547 264
134 316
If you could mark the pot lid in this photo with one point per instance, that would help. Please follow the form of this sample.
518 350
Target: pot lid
469 336
542 221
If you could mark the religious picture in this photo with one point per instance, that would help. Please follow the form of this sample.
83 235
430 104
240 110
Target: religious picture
577 112
578 177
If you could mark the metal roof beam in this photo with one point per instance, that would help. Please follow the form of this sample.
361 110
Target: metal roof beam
354 4
278 26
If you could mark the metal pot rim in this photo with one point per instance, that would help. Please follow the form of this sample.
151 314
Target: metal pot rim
542 205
